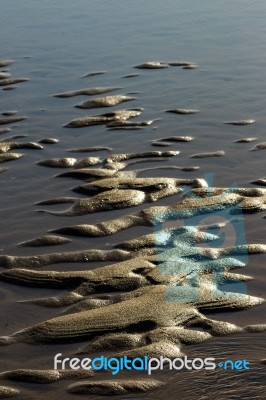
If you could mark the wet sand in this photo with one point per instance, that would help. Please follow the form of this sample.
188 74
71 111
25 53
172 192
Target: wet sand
100 253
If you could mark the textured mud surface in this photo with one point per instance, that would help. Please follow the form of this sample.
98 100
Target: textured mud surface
127 277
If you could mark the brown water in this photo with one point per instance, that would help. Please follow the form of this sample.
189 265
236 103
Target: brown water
53 45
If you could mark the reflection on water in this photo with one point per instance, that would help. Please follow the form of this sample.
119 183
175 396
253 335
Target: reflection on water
53 44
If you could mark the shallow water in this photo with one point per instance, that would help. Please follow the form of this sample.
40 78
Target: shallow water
53 45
